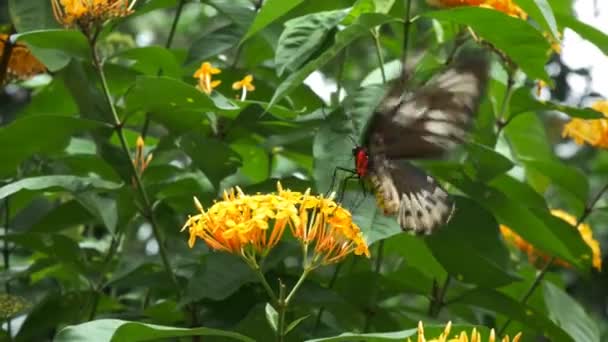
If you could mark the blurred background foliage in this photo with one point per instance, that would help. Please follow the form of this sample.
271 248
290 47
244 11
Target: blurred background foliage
79 244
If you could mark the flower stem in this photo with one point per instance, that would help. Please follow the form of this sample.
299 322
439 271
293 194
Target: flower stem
369 312
147 210
331 284
168 43
258 272
376 37
6 255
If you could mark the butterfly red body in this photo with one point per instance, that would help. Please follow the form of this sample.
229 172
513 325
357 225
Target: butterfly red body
361 161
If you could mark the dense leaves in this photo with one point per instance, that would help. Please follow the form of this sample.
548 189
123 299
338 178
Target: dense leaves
102 155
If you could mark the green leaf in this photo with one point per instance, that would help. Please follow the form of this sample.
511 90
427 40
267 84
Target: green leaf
167 95
569 314
540 10
302 37
102 208
523 43
343 38
474 230
272 316
55 48
213 157
66 215
588 32
270 11
64 182
500 303
215 42
19 136
488 162
522 102
151 60
566 177
295 323
430 331
119 330
218 283
31 15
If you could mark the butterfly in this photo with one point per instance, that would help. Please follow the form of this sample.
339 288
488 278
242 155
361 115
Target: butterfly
419 124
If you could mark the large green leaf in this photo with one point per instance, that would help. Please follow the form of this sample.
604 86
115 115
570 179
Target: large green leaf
24 137
215 158
270 11
343 38
474 230
522 102
55 48
215 42
588 32
569 314
151 61
302 37
30 15
541 11
523 43
65 182
500 303
430 331
118 330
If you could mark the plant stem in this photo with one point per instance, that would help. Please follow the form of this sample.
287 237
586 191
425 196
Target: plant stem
258 272
437 298
6 256
147 210
374 291
376 37
168 43
406 37
539 277
281 309
501 121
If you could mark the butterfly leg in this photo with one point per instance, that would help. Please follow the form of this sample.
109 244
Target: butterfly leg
364 191
342 188
335 175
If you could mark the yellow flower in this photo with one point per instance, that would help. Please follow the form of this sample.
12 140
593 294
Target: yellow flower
540 84
140 161
204 75
88 13
475 336
539 258
245 85
21 63
251 225
555 43
506 6
594 132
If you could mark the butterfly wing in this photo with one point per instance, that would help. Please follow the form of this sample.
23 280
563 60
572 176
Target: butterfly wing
434 118
403 190
422 124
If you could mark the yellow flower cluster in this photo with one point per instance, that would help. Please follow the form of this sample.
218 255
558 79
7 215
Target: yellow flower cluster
206 84
21 63
251 225
506 6
593 132
539 258
141 161
85 13
475 336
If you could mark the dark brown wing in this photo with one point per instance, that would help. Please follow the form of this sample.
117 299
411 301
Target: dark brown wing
415 198
434 118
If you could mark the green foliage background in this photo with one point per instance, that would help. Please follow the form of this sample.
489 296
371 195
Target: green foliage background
79 253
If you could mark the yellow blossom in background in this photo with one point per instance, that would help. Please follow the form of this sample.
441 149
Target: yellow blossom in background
555 43
540 84
244 85
87 13
204 75
539 258
506 6
251 225
593 132
21 64
474 336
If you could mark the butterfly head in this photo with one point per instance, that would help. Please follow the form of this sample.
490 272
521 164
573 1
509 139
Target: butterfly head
362 162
